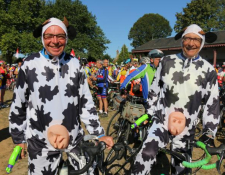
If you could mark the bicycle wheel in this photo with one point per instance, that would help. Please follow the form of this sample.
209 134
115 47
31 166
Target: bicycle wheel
126 154
114 126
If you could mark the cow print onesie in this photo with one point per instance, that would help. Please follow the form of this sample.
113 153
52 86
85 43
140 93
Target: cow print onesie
50 92
179 85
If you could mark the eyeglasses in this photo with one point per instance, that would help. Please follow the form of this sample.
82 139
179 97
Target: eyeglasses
195 40
58 36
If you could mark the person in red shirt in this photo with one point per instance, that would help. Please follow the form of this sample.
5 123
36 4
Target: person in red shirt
3 75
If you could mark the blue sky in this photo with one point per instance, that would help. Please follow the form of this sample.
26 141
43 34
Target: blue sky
116 17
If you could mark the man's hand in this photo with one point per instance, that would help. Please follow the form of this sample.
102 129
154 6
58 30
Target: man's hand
108 140
93 78
23 153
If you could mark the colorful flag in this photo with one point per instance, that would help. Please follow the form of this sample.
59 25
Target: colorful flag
17 53
72 53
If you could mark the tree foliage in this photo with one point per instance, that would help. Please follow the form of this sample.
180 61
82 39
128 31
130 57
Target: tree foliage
19 18
148 27
124 54
208 14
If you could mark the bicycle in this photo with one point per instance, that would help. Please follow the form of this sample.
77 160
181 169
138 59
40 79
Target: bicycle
119 129
113 91
184 157
89 156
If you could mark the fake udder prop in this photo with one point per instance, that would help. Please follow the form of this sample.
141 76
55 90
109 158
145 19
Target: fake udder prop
58 136
176 123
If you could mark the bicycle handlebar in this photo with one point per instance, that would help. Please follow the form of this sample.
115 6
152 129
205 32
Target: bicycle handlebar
139 121
219 151
92 150
117 147
201 162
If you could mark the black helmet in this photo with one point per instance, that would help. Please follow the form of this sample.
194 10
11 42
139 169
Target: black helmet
83 61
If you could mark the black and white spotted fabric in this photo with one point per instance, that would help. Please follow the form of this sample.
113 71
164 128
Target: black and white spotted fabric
179 85
50 92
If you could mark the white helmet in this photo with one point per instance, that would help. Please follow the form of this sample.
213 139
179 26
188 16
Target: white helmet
145 60
155 53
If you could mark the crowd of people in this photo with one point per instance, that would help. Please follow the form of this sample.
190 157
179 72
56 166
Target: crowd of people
53 94
8 73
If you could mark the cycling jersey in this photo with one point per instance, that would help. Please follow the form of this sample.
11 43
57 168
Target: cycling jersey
102 76
146 72
3 74
87 71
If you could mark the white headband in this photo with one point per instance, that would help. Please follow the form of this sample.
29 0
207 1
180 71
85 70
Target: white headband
194 28
53 22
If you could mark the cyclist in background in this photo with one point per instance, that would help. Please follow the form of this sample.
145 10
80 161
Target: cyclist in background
102 84
221 76
146 71
19 62
3 79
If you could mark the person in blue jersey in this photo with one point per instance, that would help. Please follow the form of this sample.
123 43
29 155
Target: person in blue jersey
146 71
102 84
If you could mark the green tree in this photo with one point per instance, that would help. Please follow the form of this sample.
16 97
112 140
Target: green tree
148 27
123 55
18 19
90 41
209 14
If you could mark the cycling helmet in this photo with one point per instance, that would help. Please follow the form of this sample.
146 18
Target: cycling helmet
83 61
128 61
155 53
145 60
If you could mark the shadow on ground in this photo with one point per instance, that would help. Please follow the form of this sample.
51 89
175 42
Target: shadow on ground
4 134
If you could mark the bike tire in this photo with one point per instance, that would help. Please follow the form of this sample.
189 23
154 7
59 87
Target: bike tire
125 158
113 126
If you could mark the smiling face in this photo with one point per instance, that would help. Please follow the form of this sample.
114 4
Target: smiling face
191 44
55 45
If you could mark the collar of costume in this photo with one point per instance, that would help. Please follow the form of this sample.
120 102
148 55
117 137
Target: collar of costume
194 28
53 22
47 56
193 59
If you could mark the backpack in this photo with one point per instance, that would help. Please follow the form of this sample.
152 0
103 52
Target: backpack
136 88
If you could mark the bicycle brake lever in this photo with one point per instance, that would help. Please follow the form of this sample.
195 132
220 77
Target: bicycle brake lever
219 162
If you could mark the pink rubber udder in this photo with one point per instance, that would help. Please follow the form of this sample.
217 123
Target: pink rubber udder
58 136
176 123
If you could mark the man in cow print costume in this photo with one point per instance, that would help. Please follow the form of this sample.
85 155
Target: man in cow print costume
182 82
50 101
